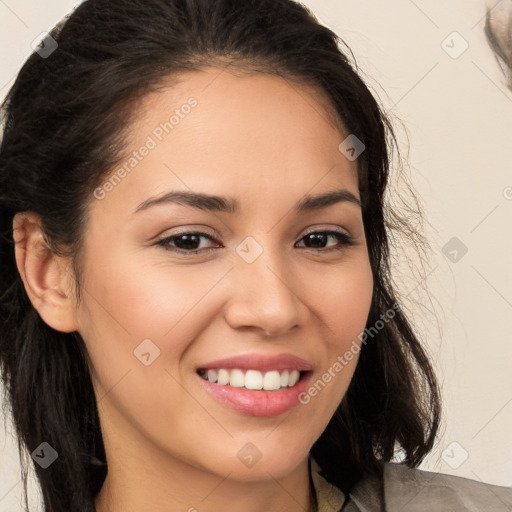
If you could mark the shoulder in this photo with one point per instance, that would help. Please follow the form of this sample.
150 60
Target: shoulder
413 490
402 489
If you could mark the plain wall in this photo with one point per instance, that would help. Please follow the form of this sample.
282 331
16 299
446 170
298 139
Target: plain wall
454 119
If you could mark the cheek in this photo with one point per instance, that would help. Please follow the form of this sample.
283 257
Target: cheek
345 298
150 300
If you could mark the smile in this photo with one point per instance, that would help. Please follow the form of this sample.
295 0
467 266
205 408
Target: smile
251 379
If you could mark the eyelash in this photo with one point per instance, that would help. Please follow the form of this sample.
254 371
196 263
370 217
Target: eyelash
344 239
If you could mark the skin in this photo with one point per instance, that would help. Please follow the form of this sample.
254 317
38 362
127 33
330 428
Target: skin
170 446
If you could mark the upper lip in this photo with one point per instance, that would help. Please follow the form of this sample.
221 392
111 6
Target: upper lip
260 362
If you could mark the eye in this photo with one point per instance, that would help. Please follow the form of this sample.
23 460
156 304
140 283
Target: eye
186 242
189 242
321 237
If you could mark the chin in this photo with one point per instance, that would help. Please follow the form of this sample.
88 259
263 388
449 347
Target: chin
262 459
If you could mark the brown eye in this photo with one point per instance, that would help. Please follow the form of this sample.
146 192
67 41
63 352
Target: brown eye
318 239
186 242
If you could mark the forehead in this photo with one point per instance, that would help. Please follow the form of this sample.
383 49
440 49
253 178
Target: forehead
209 129
233 85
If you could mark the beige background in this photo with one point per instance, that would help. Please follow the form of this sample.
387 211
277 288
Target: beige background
457 116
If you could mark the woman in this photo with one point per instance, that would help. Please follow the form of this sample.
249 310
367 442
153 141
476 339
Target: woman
270 369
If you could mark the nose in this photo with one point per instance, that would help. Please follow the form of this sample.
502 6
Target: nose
264 296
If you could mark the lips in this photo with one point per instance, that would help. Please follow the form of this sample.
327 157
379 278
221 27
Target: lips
260 362
255 384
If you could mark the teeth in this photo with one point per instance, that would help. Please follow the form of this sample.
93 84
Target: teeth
271 381
223 377
252 379
294 377
237 379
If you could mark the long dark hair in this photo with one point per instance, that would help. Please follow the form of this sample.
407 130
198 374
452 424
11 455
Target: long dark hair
65 125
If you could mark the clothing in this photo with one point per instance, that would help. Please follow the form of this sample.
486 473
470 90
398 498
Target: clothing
403 489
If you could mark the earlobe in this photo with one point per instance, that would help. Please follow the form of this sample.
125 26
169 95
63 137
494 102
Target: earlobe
45 275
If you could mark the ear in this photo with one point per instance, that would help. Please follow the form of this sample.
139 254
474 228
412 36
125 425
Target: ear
46 276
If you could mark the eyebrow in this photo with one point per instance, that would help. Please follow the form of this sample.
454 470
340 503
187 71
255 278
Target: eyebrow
216 203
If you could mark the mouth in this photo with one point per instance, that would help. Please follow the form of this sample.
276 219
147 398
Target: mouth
272 380
256 384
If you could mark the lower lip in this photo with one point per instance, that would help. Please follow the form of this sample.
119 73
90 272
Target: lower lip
258 402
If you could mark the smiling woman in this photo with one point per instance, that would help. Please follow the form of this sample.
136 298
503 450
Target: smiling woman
217 329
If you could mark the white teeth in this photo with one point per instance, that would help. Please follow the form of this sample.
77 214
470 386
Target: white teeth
294 377
223 377
252 379
237 379
272 380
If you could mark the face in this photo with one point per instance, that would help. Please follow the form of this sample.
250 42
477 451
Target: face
171 289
